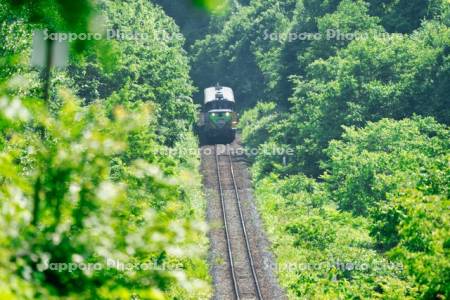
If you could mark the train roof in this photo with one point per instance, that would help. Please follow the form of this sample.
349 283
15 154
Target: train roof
217 92
220 110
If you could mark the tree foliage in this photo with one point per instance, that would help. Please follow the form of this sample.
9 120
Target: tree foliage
92 180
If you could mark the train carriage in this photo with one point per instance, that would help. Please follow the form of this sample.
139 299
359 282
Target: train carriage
218 120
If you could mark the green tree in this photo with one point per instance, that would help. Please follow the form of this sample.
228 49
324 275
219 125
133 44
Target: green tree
370 79
368 164
404 16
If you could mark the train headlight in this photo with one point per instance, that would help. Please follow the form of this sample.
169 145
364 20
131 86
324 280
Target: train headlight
227 114
213 114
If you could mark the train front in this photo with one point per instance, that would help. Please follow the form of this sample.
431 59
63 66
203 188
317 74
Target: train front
221 121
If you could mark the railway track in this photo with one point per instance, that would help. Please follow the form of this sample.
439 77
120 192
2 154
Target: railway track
241 263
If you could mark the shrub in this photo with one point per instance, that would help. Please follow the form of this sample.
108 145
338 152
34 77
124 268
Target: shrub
369 163
59 204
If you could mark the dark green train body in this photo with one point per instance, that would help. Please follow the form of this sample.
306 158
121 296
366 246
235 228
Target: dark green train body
218 120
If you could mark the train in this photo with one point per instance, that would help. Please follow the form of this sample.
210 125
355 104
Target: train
218 119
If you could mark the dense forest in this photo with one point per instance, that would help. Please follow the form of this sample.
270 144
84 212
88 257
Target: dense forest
94 170
359 91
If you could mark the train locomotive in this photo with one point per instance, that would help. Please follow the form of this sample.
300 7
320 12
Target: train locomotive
218 120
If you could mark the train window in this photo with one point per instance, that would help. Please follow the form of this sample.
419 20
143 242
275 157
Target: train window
219 105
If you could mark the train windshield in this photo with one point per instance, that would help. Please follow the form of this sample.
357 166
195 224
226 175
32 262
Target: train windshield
219 105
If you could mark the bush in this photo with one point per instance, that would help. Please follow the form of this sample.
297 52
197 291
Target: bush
424 241
396 172
323 252
74 191
370 163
